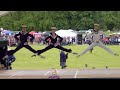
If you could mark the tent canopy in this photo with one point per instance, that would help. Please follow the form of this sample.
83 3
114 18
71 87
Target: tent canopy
66 33
32 32
7 32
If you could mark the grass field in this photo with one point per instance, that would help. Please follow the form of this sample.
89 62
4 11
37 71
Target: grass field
98 59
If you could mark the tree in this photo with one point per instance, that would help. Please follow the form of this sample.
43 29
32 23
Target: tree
43 20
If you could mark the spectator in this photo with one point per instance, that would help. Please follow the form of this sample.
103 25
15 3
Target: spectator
11 59
63 58
54 75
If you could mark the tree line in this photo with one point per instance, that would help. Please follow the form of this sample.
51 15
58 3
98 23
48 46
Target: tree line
77 20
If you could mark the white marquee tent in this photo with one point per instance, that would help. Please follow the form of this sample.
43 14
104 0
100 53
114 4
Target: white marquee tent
66 33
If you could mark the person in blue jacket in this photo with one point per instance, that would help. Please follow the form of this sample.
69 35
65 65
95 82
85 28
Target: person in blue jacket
11 59
8 60
63 58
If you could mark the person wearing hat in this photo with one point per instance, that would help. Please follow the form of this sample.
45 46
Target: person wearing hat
22 38
54 41
96 36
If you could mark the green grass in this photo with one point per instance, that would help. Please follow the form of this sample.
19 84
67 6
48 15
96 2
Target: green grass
99 58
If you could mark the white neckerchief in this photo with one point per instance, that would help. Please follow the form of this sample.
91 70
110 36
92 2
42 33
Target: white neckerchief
54 36
96 32
24 33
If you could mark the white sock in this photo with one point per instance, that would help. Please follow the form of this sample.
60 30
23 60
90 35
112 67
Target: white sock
73 52
36 53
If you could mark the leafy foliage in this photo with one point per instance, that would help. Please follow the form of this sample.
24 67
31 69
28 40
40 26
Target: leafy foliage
78 20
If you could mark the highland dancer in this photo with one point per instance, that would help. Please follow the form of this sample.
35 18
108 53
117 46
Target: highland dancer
54 41
96 41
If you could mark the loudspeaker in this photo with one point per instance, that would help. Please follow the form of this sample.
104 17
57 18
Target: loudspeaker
79 38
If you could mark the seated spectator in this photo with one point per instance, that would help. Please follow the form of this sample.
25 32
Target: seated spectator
54 75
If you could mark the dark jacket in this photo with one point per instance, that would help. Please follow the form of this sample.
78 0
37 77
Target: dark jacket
23 37
63 56
54 40
12 58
